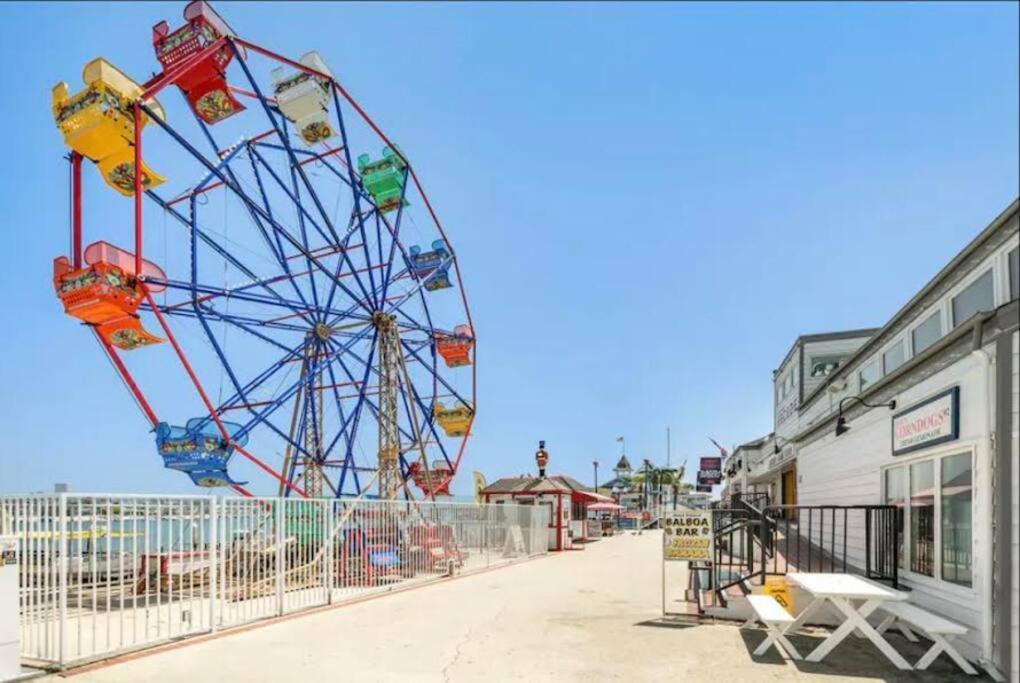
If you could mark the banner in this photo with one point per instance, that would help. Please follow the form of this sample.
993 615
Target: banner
687 536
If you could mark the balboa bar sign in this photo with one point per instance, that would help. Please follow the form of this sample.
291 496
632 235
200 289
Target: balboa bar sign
933 421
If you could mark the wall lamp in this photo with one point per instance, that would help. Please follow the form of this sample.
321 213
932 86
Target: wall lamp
776 448
842 427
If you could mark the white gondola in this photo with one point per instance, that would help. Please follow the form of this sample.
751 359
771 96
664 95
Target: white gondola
304 98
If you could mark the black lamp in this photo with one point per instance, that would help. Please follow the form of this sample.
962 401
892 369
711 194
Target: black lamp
842 427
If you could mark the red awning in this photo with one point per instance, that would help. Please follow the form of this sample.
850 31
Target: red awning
605 506
591 497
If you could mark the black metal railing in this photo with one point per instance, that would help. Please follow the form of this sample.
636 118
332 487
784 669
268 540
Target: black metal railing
752 543
857 539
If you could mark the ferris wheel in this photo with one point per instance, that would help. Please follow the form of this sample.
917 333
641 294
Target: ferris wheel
280 261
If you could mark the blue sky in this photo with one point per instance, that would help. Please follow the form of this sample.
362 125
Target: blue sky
649 202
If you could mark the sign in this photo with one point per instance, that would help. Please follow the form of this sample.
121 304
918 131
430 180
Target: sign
777 588
687 536
933 421
710 471
703 488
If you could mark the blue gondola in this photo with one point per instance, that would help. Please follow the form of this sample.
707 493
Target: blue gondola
433 264
198 450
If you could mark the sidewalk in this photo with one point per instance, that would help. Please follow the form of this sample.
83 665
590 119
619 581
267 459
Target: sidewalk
588 615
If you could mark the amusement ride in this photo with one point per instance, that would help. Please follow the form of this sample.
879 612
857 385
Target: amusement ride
296 277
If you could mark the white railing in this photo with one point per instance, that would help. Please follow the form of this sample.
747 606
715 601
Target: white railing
105 574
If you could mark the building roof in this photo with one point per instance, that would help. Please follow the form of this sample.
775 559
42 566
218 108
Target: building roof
554 484
959 263
867 332
624 464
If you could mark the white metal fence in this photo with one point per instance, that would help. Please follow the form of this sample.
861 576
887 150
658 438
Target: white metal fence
106 574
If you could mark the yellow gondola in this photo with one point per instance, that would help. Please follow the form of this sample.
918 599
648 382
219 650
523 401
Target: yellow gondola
99 123
454 420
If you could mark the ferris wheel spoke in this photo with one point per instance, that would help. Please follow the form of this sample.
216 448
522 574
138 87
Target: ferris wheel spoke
292 389
429 367
295 166
240 193
260 379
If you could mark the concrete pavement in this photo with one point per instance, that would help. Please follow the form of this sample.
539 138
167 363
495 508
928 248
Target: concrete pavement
589 615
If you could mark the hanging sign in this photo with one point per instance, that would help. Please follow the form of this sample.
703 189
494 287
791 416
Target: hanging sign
933 421
687 536
710 471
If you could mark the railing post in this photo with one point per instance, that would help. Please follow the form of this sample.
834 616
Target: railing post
63 567
213 564
279 503
867 542
329 549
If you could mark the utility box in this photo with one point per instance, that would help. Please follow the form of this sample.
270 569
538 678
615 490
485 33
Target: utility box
10 646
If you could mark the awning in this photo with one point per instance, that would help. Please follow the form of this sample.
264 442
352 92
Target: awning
591 497
605 506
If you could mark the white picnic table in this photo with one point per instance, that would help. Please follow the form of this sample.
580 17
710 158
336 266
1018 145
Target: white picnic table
854 598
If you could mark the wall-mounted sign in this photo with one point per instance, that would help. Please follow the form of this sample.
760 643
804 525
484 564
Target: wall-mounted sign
930 422
687 536
710 471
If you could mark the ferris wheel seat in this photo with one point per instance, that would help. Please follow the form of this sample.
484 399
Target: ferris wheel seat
204 84
456 348
383 179
199 450
436 481
455 420
98 122
106 296
431 266
304 98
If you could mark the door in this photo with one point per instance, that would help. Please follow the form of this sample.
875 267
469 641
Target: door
790 492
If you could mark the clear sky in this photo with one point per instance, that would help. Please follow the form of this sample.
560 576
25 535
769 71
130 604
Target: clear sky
649 202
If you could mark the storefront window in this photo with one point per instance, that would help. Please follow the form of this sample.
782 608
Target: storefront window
922 518
896 495
957 494
977 297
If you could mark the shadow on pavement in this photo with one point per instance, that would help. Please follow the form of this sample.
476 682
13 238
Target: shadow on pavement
668 622
858 657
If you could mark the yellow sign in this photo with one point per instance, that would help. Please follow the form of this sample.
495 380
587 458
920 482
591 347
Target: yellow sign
687 536
777 588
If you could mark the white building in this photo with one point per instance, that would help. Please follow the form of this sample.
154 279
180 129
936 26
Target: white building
946 454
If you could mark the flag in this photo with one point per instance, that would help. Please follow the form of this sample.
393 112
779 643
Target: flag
721 449
619 439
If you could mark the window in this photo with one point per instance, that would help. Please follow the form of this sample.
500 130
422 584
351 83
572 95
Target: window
869 374
937 531
1014 274
922 518
894 357
976 297
894 495
957 494
927 333
824 366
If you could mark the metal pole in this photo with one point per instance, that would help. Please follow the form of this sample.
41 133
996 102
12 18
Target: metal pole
76 209
596 464
213 563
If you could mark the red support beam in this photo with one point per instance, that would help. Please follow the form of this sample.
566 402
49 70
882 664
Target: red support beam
205 398
138 188
76 209
129 381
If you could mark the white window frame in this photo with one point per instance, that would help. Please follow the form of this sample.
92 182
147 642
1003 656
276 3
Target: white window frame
905 340
992 265
877 362
923 318
936 456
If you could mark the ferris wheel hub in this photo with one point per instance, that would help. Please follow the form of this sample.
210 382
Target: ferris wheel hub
323 331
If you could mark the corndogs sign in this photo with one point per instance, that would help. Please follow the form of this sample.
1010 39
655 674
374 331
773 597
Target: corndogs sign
933 421
687 536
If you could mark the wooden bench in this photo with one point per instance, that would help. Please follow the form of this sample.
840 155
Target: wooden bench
938 629
776 620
